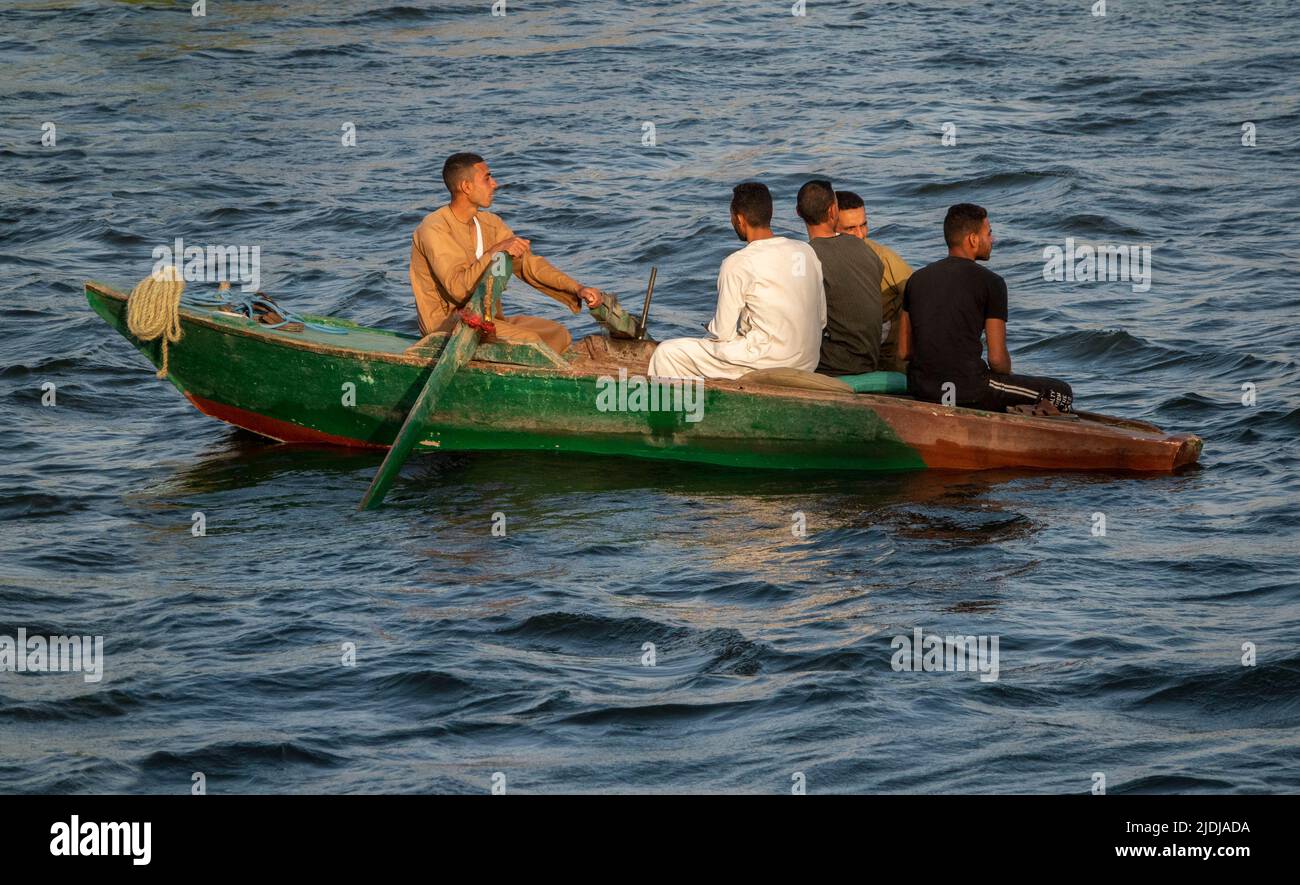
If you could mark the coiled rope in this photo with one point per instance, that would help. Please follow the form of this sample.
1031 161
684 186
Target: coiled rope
153 310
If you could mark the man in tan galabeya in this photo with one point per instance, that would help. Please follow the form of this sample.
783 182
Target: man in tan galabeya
454 245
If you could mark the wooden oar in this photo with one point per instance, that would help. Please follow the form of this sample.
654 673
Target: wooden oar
458 351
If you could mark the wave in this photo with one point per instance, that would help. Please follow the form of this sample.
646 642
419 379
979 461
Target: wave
580 628
1170 783
991 180
91 707
424 684
239 756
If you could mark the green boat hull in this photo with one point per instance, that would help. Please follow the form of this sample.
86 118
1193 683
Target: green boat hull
355 389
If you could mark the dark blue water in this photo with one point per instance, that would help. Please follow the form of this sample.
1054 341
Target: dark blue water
523 655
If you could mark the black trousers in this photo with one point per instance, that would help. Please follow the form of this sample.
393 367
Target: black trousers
1001 391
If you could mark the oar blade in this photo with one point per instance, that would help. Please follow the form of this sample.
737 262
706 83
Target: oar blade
459 350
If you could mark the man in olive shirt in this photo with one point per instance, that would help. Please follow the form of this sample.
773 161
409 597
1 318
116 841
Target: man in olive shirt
946 306
853 221
851 274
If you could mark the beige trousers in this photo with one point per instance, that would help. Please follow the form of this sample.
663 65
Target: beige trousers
522 330
525 329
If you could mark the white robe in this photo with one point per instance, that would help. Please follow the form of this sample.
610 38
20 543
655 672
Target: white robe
771 312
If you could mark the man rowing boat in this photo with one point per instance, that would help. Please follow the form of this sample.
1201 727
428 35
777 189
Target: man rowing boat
454 245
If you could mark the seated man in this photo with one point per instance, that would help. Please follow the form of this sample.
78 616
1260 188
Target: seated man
771 308
454 245
946 306
853 220
851 275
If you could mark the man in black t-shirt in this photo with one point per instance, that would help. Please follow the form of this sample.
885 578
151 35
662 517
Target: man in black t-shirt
946 306
851 274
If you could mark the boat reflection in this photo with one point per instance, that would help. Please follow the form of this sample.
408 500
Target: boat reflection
951 509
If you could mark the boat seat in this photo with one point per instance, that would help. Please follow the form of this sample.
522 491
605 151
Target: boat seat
796 378
877 382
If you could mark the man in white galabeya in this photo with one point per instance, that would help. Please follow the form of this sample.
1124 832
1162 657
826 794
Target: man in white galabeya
771 306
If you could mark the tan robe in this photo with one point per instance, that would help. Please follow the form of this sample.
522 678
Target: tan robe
444 271
892 283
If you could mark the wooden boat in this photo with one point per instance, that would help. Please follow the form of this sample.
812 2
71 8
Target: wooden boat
293 386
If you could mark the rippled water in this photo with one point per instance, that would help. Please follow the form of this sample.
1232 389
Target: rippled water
1119 654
